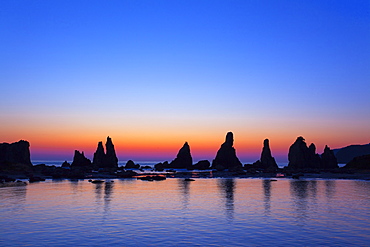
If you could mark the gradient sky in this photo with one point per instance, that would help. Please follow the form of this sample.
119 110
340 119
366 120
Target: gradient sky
154 74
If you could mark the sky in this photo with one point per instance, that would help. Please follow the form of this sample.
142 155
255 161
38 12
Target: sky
154 74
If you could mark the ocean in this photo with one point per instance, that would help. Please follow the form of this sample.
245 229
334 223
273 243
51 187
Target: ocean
175 212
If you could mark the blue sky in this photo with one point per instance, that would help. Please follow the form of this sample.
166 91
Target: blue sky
182 69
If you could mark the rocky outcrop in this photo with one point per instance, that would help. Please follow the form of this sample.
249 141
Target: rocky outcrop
302 157
359 163
131 165
161 166
66 164
15 155
79 160
202 165
267 161
105 160
328 159
183 159
226 156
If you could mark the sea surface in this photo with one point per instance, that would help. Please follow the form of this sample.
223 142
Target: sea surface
174 212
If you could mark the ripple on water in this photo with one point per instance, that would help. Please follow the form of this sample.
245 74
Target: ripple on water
206 212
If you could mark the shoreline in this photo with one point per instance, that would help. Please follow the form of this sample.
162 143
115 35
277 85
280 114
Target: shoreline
199 174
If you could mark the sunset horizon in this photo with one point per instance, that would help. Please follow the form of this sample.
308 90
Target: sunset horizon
155 74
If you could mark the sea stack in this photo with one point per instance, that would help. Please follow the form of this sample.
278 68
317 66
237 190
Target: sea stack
267 161
328 159
226 156
15 155
302 157
99 156
105 160
183 159
79 160
111 157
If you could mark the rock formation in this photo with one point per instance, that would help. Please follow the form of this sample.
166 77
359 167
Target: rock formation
79 160
15 155
99 156
328 159
267 161
302 157
105 160
183 159
202 165
359 163
111 157
66 164
131 165
226 156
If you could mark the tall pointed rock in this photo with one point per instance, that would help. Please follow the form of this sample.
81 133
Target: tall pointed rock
99 156
267 161
183 159
111 157
226 156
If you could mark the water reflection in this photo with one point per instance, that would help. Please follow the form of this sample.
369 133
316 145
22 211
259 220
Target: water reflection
301 191
108 191
227 187
184 187
15 196
329 188
267 195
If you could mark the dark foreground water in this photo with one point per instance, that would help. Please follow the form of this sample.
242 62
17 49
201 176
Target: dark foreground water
205 212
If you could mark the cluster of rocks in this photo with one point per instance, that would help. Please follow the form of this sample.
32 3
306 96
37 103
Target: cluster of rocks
302 157
101 158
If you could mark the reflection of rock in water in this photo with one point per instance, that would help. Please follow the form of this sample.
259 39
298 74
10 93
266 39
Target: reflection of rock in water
267 195
108 191
184 187
98 191
227 187
301 191
329 188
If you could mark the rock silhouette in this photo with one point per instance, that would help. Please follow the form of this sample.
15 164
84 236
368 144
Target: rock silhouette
302 157
66 165
226 156
328 159
267 161
359 163
131 165
183 159
79 160
99 156
111 157
202 165
105 160
15 155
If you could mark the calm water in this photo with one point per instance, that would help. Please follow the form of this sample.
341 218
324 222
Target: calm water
205 212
